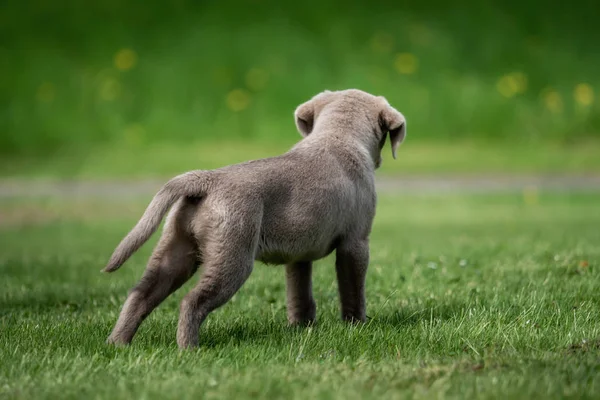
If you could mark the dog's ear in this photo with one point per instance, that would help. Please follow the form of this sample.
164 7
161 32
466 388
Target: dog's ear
393 121
306 113
305 117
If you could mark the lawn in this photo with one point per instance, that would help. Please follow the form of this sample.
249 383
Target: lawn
115 72
470 296
414 158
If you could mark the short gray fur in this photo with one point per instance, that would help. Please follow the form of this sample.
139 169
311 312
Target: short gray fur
292 209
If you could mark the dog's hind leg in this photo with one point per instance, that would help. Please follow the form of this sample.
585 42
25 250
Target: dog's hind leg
219 282
301 308
228 261
173 262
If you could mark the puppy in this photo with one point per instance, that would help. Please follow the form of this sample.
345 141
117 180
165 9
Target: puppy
292 209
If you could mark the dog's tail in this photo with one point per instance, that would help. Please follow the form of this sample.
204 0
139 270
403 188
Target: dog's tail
194 183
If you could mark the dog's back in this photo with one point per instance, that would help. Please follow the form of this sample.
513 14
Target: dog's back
306 201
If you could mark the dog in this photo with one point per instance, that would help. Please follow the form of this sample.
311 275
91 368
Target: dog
287 210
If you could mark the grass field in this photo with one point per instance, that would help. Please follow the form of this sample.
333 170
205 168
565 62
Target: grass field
469 297
414 158
79 76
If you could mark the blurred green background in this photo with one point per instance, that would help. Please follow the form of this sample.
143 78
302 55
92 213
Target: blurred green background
128 88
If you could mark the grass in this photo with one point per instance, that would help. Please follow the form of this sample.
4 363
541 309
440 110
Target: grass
469 297
81 76
414 158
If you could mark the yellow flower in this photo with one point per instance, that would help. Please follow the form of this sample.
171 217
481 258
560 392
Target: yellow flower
110 89
382 42
406 63
521 79
256 79
512 84
584 94
238 100
552 100
125 59
46 92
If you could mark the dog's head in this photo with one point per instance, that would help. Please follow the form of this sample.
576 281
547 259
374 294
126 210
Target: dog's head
354 112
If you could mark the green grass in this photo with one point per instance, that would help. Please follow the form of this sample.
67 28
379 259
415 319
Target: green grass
469 297
81 75
414 158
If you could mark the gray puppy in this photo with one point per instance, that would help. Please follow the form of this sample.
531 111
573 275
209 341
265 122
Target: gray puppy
292 209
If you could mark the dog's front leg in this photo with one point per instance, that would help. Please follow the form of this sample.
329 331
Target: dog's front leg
352 260
301 308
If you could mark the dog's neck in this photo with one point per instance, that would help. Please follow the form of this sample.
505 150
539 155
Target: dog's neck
352 141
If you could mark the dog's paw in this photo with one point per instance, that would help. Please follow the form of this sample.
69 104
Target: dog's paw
354 319
114 341
302 322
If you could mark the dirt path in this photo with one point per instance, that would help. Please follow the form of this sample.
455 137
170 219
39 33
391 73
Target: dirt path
413 185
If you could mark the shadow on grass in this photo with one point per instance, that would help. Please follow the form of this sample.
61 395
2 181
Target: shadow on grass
412 315
91 314
276 331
